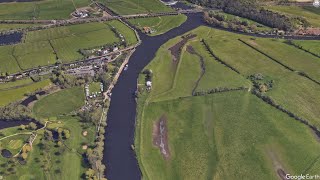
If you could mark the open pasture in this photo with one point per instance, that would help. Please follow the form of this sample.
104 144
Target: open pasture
45 9
124 7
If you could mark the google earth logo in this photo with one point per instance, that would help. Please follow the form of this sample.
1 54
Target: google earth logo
316 3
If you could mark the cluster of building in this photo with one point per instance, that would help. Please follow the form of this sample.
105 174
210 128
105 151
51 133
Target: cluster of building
105 50
80 14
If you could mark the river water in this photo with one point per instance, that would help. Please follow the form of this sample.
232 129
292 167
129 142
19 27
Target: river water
119 158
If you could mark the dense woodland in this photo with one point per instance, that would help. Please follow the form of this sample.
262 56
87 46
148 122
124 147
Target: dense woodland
251 10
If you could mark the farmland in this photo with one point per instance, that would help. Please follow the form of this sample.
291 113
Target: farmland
159 24
311 46
124 7
59 103
129 35
311 14
14 84
231 134
8 96
4 27
47 9
45 47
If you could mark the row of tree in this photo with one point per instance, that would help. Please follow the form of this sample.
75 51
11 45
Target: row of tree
236 24
251 10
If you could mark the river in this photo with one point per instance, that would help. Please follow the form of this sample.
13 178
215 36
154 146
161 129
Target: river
119 158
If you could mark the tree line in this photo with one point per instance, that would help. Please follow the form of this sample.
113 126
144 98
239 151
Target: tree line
251 10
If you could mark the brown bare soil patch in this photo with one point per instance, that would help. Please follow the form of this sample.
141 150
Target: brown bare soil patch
160 136
253 43
277 165
176 49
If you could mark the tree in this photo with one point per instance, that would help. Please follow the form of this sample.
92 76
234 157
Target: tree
90 174
59 143
24 155
22 127
32 126
66 133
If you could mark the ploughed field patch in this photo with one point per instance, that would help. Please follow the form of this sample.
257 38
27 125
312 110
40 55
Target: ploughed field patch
160 136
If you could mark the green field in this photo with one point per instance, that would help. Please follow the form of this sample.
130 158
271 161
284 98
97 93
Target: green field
229 135
94 87
51 161
46 9
4 27
311 46
14 143
59 103
8 62
295 58
17 83
124 7
44 47
159 24
129 35
312 14
8 96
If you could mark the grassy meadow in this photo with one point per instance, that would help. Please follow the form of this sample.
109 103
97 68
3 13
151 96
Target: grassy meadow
124 7
44 47
11 95
17 83
304 98
129 35
5 27
292 57
311 46
159 24
229 135
59 103
46 9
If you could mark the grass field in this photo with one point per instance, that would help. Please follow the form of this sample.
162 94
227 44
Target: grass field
4 27
14 143
94 87
124 7
8 62
295 58
159 24
67 41
129 35
311 14
46 9
8 96
44 47
311 46
302 92
230 135
59 103
17 83
64 162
